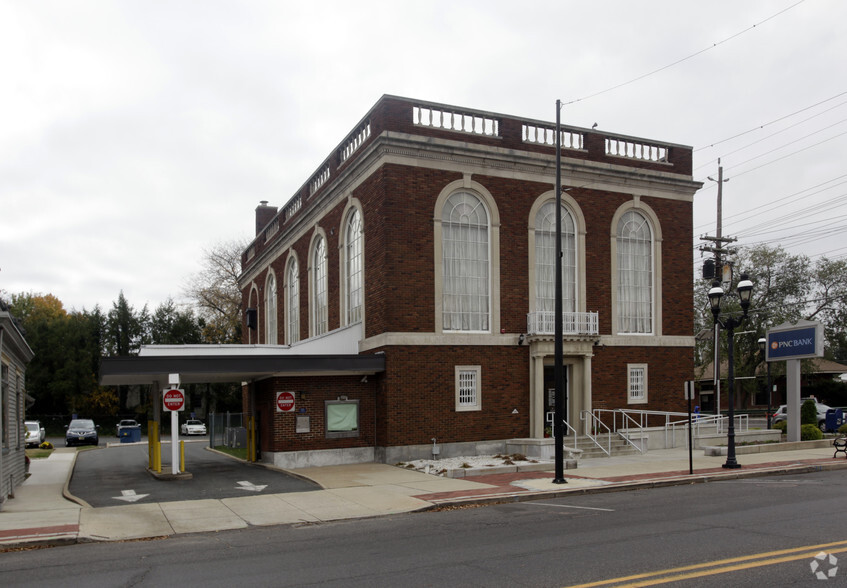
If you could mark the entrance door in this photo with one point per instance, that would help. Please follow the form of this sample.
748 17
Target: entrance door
550 396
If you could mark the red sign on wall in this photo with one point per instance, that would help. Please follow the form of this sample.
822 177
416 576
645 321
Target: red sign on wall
174 399
285 401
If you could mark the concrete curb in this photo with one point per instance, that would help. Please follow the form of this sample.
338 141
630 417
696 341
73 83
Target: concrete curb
715 450
622 486
66 492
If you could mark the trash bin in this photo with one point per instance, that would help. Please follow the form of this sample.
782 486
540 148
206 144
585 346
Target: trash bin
834 419
130 434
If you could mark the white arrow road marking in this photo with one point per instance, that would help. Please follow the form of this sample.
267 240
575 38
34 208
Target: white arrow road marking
244 485
130 496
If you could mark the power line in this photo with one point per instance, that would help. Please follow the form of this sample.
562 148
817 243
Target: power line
773 121
758 210
677 62
781 131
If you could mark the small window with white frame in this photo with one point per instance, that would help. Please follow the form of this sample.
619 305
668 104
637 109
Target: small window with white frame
637 385
468 379
342 418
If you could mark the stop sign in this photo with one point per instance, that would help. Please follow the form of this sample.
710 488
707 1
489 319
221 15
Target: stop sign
285 401
174 399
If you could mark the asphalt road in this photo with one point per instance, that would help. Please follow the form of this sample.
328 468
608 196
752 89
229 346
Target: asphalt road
768 531
111 476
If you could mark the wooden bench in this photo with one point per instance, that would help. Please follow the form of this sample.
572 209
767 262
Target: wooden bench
840 445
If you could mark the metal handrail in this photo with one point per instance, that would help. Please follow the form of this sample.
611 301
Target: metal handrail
550 419
637 419
626 438
597 424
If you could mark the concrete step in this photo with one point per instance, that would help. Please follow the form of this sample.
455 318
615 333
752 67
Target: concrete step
617 447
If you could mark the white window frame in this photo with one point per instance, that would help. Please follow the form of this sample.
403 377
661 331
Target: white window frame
319 293
468 291
292 301
462 375
354 267
636 384
544 271
342 434
271 330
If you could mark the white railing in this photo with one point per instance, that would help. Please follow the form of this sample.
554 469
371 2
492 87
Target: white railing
455 121
355 141
573 323
636 150
319 180
575 449
272 229
543 135
597 429
627 422
292 207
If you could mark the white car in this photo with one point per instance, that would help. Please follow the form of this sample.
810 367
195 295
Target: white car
35 433
192 427
782 413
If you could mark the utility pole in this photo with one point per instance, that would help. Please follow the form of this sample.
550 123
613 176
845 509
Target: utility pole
717 249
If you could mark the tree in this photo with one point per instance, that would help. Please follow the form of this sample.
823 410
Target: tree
216 293
126 329
171 326
786 288
830 305
67 351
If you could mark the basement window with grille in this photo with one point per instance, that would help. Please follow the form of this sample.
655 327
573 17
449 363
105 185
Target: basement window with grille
637 383
468 380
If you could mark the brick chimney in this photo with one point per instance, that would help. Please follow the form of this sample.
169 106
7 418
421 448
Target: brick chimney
264 215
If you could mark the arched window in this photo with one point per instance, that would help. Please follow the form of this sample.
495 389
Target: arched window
270 310
545 259
319 304
635 273
353 267
292 302
465 263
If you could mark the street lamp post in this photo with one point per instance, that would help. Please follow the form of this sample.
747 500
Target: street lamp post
762 343
558 348
745 291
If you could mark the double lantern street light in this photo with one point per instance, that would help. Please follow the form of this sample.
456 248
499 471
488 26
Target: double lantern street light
716 293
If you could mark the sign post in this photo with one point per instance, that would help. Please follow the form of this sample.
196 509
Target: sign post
791 343
173 400
689 395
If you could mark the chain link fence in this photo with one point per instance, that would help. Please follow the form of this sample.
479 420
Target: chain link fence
227 429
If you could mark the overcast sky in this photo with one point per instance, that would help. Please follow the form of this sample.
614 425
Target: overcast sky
134 135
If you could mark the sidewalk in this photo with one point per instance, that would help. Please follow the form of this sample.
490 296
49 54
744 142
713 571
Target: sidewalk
43 512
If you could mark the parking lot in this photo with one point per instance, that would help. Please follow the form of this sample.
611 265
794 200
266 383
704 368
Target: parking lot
116 475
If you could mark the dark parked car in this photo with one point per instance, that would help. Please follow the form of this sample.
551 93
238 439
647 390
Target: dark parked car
82 432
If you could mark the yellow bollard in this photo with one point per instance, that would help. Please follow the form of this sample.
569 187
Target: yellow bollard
181 455
157 466
151 444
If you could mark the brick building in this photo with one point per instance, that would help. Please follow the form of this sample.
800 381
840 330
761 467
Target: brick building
425 242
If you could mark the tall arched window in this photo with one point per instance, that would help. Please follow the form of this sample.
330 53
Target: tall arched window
466 266
270 310
319 304
545 259
292 302
635 273
353 267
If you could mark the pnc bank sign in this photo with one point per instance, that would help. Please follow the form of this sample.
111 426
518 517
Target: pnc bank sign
805 339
